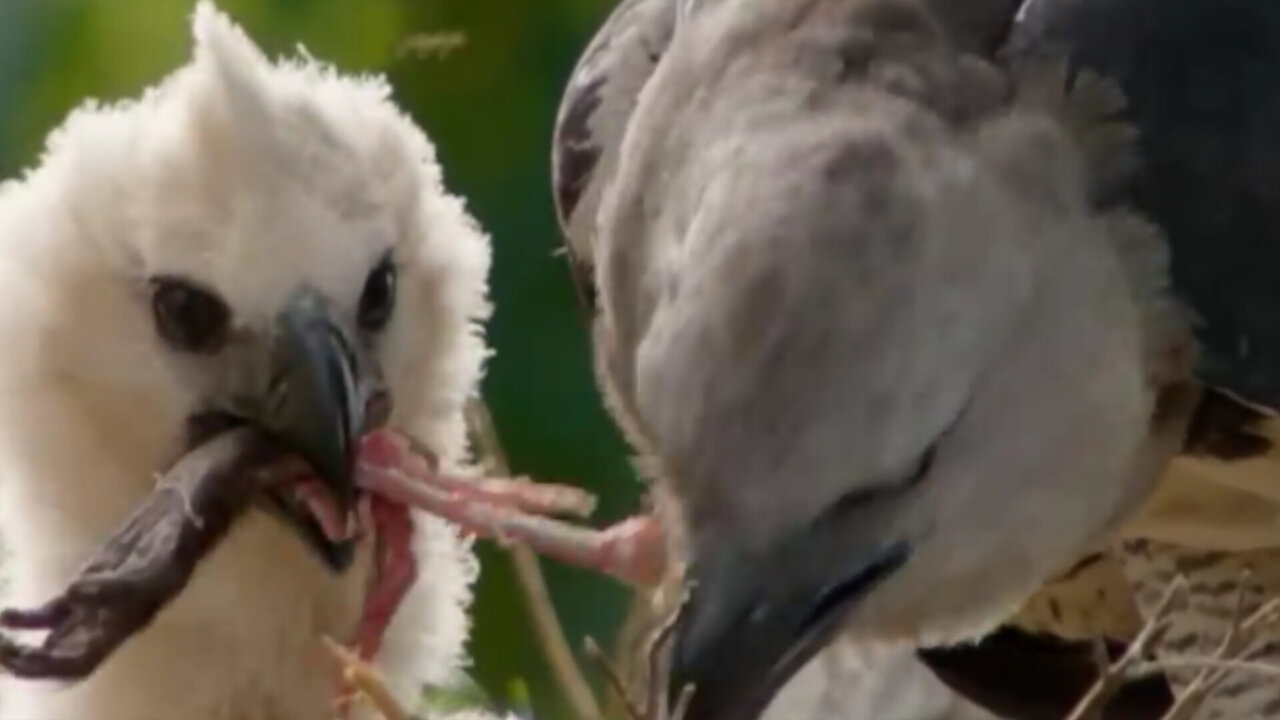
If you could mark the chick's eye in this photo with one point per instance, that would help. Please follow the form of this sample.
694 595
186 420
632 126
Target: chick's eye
189 318
378 299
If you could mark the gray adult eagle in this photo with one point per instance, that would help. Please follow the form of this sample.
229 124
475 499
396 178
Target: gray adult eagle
907 305
1195 76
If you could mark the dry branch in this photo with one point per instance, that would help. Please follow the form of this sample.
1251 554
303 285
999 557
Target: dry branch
1215 669
1212 670
529 574
1114 676
655 705
366 681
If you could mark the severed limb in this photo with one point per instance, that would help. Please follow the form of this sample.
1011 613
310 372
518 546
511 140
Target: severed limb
513 510
390 449
148 561
151 558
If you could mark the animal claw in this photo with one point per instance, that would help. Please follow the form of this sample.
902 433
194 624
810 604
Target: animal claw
44 617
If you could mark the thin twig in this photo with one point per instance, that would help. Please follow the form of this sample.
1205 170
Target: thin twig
529 575
1205 681
1114 676
1212 670
612 678
681 708
1206 664
1240 635
655 706
1101 659
366 680
656 696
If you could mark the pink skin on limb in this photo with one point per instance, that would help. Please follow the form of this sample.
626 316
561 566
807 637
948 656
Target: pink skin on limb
514 511
395 571
397 478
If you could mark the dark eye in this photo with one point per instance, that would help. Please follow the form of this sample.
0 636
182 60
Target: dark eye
189 318
378 299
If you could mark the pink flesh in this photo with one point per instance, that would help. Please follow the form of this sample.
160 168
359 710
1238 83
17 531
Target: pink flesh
398 478
395 570
632 551
323 508
388 449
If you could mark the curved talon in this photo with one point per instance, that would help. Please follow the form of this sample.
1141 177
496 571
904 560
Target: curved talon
51 661
54 612
83 631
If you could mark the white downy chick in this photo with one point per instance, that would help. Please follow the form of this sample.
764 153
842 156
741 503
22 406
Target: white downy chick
144 263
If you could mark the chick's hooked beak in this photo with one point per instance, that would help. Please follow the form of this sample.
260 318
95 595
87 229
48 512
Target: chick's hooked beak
324 393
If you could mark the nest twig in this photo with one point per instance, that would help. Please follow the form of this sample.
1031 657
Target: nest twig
1212 670
542 610
1113 676
655 702
366 681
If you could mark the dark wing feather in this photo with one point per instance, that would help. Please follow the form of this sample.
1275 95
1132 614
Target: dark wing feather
1025 676
592 119
1200 79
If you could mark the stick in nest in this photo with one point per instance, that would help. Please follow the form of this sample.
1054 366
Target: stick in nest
655 701
1113 676
368 684
1212 670
1228 658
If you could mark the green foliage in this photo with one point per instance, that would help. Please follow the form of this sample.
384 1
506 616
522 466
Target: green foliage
465 694
489 105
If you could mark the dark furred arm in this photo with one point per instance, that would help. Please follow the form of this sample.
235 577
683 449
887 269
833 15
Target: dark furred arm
148 562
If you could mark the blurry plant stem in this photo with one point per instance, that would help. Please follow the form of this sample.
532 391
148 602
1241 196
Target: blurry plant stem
365 680
545 622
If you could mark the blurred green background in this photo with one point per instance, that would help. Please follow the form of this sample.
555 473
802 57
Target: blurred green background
489 106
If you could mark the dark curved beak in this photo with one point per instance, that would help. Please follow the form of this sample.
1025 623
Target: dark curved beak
323 395
752 622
